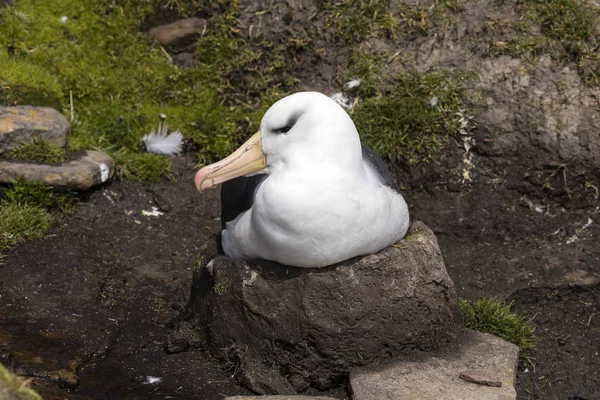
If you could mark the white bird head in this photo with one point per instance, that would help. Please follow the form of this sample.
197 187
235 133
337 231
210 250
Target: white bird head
300 130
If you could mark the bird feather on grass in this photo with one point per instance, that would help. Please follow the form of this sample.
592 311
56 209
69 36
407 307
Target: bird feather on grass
160 142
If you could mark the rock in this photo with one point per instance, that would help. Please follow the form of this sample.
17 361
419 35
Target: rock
278 398
314 325
175 32
92 168
436 377
184 60
20 125
480 377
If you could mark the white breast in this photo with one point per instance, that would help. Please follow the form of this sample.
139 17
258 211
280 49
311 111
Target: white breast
308 220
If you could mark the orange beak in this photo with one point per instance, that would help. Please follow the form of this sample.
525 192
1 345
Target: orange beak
245 160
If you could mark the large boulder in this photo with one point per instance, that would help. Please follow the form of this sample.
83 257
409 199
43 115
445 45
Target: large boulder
288 328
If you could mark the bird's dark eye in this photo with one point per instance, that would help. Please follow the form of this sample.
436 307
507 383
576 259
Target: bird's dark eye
284 129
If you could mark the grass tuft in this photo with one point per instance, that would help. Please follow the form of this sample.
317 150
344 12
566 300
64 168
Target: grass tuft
148 168
21 222
495 316
569 32
40 151
41 196
14 387
415 120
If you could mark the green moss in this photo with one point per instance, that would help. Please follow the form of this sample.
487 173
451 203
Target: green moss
11 385
28 84
144 167
20 222
495 316
414 120
120 81
40 196
364 66
41 151
221 287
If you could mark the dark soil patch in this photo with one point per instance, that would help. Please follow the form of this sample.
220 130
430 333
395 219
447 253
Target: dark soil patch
566 364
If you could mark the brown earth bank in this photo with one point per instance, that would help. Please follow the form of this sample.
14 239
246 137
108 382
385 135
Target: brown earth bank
87 311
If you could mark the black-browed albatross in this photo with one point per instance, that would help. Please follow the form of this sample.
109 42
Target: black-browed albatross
304 191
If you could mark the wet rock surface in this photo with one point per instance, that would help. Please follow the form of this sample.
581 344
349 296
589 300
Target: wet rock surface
313 325
438 376
20 125
89 169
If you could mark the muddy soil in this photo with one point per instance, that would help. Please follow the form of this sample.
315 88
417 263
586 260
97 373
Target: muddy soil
87 311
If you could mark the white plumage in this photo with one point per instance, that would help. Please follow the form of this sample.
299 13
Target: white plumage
160 143
321 202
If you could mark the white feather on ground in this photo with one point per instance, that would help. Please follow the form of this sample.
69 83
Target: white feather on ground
161 143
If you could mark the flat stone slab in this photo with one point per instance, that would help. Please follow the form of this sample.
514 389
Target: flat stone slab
92 168
20 125
294 397
481 358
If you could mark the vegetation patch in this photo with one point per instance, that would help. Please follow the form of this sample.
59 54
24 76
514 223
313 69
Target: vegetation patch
40 151
356 20
14 387
119 81
21 222
27 211
41 196
569 32
149 168
495 316
415 119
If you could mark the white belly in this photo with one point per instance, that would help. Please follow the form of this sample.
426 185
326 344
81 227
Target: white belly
314 224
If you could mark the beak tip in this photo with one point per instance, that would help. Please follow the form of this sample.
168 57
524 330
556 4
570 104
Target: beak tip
199 180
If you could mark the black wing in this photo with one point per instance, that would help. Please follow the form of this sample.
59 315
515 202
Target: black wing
370 157
237 195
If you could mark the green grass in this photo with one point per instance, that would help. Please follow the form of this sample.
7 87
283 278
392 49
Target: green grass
495 316
415 119
14 387
569 32
28 210
356 20
120 81
21 222
149 168
41 151
38 195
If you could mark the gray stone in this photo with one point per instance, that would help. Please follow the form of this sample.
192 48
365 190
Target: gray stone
91 168
295 397
20 125
436 377
171 33
481 377
312 326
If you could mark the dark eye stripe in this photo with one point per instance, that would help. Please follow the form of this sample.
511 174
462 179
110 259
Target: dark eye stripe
284 129
289 124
